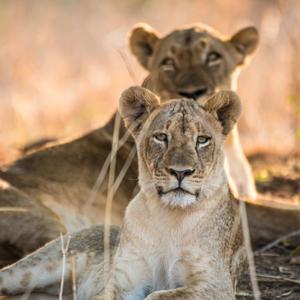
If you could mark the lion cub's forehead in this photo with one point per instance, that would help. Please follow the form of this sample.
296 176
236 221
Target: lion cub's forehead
182 115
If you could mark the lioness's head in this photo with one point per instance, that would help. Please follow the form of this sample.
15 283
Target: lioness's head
191 62
179 143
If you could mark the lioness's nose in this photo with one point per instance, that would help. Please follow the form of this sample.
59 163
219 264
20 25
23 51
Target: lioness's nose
194 94
180 174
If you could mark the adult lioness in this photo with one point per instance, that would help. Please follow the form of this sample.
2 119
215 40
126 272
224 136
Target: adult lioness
195 62
56 183
181 237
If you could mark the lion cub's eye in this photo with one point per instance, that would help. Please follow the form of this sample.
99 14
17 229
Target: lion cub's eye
161 137
168 64
213 58
203 140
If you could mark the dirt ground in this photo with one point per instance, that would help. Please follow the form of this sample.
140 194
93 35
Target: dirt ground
277 175
278 268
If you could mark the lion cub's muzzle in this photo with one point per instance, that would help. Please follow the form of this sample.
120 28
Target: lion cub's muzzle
179 181
180 174
179 190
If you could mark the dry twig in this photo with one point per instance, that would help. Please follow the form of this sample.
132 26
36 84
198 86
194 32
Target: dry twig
278 278
122 173
13 209
250 258
128 65
109 200
279 240
73 270
103 172
64 250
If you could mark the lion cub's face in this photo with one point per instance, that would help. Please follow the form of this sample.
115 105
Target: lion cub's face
192 62
179 143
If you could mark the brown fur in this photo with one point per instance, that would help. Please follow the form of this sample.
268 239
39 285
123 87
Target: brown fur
194 66
56 183
41 270
174 244
179 244
194 62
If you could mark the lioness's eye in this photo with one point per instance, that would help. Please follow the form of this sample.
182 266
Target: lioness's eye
213 58
203 140
161 137
168 64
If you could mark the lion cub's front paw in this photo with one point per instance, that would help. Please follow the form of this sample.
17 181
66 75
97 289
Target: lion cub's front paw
156 296
165 295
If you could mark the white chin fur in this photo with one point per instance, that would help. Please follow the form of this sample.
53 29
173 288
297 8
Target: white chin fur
182 200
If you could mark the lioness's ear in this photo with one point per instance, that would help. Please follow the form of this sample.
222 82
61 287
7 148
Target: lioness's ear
245 42
135 105
226 106
142 41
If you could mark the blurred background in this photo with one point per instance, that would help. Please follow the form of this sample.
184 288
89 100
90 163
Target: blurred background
63 65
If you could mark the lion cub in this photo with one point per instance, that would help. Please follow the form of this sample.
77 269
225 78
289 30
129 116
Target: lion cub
181 233
181 237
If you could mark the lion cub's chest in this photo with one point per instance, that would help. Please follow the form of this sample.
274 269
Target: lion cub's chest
164 269
165 264
167 270
162 249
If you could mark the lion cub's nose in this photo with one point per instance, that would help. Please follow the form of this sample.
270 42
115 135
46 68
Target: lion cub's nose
180 174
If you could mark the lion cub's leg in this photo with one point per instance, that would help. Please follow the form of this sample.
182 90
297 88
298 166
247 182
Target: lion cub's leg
238 169
25 224
211 283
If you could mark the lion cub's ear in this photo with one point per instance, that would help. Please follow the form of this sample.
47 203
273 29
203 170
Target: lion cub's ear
135 105
245 43
142 41
226 106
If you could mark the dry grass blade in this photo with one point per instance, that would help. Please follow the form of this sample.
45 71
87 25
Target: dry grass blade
110 157
64 250
278 278
109 200
73 270
103 173
250 257
277 241
128 65
126 166
244 294
98 183
13 209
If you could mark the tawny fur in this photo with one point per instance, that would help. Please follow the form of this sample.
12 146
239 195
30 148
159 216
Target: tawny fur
57 183
174 244
41 271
